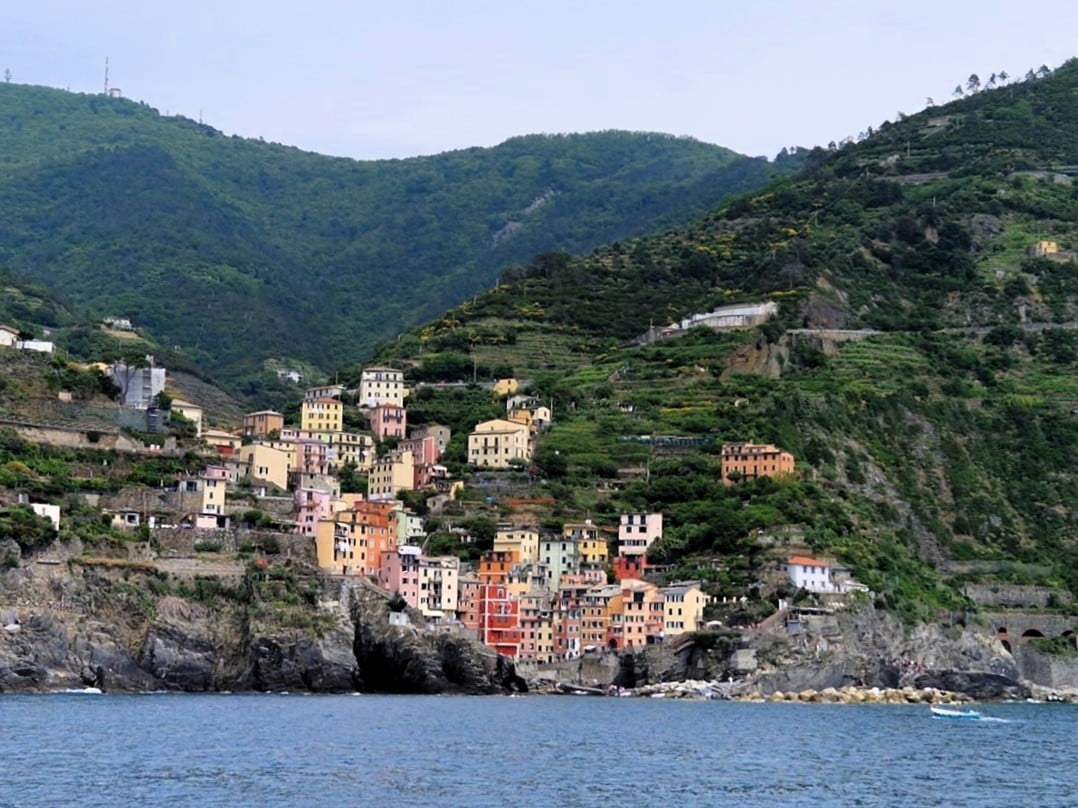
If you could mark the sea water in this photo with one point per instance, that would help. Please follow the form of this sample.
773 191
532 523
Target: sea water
293 750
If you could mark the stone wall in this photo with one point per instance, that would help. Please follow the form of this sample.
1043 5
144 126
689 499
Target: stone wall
1015 596
180 543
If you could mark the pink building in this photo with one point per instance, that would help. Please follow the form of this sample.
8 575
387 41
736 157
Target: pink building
311 505
399 572
389 421
312 457
424 449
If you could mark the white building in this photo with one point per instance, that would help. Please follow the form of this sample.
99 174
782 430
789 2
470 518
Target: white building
380 385
9 337
50 512
638 531
809 574
138 385
743 316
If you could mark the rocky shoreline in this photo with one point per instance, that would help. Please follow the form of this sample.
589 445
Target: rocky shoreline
730 691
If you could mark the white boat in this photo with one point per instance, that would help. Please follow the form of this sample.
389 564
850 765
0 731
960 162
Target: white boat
945 712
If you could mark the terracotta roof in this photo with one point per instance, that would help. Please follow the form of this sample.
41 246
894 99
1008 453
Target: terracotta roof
805 561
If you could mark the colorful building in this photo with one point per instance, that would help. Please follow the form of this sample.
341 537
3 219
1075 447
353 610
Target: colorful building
262 423
390 474
523 541
496 443
381 385
322 415
389 421
742 462
683 607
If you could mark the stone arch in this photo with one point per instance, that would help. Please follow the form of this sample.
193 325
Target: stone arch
1031 633
1001 635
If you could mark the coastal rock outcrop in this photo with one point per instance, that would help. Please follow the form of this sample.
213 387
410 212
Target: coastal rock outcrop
393 655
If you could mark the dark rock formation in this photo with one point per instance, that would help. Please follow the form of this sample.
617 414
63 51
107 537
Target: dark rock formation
400 658
979 686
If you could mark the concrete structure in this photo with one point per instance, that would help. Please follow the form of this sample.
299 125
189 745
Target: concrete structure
683 607
389 421
192 412
748 461
139 386
38 345
390 474
494 444
322 415
260 424
381 385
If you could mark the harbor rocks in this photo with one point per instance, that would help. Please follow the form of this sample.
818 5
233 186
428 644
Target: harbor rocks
978 686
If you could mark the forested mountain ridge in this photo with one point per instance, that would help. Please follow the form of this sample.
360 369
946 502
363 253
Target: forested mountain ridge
935 454
236 251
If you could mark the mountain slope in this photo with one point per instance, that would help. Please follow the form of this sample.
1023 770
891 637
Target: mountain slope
942 442
237 251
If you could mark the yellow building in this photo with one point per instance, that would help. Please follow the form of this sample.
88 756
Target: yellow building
390 474
1044 248
322 414
520 540
493 444
263 462
683 607
589 540
505 387
355 448
192 412
224 442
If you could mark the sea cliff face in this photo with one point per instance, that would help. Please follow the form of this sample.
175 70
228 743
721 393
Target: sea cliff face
73 625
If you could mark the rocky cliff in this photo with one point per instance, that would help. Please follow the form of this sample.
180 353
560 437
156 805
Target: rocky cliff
121 625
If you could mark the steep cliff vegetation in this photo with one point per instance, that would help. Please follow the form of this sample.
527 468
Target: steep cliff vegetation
238 251
947 436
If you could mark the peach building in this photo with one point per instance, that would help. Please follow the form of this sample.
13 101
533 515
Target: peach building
494 444
260 424
748 461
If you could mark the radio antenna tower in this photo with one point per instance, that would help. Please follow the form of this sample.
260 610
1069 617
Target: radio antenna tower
106 75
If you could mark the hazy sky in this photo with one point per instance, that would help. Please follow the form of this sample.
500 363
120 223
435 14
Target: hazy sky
396 78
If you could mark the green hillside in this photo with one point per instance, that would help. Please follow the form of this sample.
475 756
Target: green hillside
237 251
949 435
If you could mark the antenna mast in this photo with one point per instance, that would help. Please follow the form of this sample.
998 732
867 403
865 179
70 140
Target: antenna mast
106 75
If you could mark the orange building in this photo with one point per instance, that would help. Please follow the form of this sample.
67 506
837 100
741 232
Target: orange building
749 461
499 620
367 530
495 566
260 424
